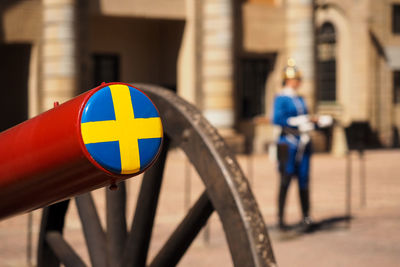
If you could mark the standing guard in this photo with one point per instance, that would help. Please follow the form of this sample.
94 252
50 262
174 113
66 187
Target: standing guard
294 143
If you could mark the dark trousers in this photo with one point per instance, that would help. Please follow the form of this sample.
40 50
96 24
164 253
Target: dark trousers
285 177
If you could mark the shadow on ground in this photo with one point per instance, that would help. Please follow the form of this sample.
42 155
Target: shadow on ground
293 231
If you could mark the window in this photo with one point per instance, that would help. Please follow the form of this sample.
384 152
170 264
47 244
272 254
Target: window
326 63
14 77
106 68
396 19
396 87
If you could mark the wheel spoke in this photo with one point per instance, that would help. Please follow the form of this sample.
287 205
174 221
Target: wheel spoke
185 233
116 223
52 220
94 234
63 250
135 253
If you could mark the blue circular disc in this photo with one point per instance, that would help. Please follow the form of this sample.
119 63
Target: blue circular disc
121 129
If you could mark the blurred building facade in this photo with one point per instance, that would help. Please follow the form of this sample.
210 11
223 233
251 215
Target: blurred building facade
224 56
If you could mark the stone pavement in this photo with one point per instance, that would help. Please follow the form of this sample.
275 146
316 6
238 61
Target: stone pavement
371 238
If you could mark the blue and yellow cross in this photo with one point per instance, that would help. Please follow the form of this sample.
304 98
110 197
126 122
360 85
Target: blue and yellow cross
121 129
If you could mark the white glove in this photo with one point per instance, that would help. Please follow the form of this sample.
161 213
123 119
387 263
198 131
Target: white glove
298 120
324 121
306 127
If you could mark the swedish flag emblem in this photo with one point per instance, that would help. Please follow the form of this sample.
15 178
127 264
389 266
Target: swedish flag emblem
121 129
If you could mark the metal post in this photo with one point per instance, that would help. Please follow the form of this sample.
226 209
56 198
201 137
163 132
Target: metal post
250 169
187 185
348 185
29 240
187 199
363 182
206 235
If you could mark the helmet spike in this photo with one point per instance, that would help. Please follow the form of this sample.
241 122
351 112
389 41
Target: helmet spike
291 62
291 71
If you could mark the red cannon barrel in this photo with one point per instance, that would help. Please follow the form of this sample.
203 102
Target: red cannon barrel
98 138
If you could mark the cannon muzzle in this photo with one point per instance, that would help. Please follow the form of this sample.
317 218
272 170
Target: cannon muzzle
99 138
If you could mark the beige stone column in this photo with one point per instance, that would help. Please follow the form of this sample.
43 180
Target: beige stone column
58 55
188 59
217 62
33 82
300 42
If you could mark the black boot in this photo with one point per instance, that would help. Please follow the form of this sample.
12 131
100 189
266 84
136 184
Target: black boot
285 181
305 207
305 202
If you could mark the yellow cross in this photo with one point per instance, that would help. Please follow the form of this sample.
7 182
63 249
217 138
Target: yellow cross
125 128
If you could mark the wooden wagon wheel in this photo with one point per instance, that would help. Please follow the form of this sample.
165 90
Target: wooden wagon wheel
227 192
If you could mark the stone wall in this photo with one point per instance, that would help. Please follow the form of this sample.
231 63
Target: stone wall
170 9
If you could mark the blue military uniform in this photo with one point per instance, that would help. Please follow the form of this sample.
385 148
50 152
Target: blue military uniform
289 105
294 147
